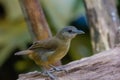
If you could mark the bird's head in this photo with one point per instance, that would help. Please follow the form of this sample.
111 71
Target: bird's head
69 32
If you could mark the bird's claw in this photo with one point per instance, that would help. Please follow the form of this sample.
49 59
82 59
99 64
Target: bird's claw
49 74
57 69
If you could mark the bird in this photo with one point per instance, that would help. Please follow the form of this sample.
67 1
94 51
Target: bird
47 52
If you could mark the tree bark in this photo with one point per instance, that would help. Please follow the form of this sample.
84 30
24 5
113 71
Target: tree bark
104 24
102 66
35 18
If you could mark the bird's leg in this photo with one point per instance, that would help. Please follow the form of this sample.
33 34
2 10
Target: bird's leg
56 68
52 77
49 74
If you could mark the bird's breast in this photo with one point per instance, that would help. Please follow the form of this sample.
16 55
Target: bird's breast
60 52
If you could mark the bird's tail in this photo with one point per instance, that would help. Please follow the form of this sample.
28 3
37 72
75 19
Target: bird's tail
24 52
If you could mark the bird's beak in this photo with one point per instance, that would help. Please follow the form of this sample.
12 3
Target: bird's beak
79 31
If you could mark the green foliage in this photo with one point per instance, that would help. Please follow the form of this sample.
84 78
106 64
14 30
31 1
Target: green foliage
12 36
13 30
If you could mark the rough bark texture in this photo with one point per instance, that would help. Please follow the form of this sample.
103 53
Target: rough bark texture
102 66
104 24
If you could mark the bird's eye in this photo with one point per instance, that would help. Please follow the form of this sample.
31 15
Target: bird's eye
69 31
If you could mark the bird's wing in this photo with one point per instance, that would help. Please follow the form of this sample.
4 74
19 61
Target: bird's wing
46 47
44 44
37 44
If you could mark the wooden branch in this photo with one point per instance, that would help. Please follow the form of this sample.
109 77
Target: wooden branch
102 66
35 18
104 24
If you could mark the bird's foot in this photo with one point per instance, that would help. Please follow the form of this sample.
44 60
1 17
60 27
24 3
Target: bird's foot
57 69
49 74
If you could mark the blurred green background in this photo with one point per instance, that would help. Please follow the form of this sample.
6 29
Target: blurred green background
14 34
